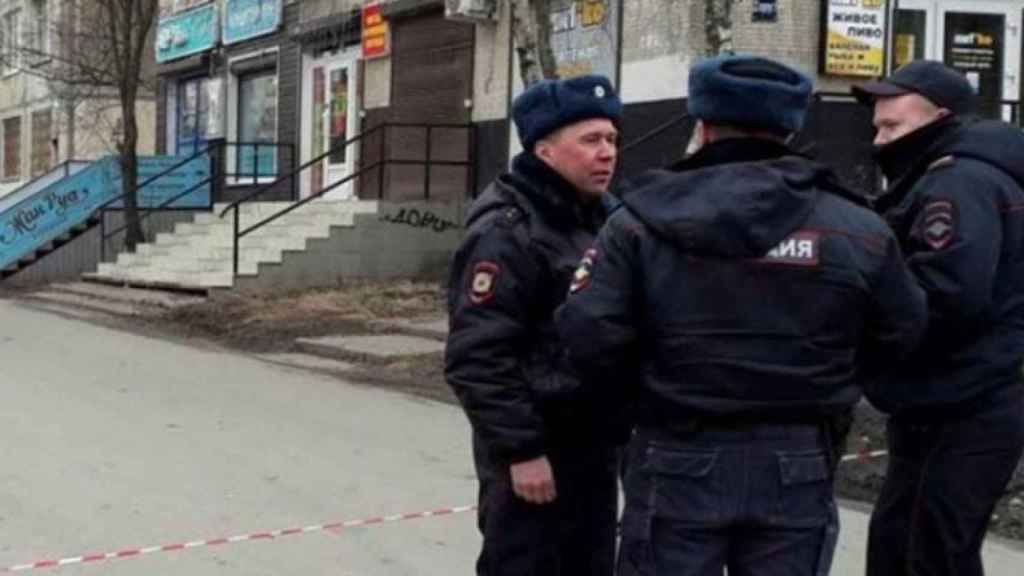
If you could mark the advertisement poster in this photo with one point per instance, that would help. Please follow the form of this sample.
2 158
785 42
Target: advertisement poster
854 38
974 46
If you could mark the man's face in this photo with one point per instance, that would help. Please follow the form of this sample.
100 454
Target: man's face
584 154
898 116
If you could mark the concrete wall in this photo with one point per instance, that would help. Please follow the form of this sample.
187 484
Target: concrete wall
403 240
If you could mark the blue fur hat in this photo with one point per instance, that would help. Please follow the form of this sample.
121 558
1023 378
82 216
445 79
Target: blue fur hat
749 91
551 104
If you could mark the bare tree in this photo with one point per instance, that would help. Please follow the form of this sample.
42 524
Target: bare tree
718 26
99 50
531 28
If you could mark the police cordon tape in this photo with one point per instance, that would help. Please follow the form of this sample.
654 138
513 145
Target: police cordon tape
271 535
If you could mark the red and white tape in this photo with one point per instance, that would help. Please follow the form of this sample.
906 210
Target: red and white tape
257 536
864 455
134 552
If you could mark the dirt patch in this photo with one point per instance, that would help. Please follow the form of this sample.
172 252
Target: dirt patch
271 323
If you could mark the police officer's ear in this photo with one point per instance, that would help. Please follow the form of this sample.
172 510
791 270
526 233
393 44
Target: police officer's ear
544 148
698 139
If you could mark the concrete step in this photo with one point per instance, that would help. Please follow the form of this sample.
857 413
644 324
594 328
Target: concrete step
123 295
381 347
87 302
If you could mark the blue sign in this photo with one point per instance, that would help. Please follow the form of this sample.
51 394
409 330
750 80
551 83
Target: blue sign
44 216
194 175
187 33
245 19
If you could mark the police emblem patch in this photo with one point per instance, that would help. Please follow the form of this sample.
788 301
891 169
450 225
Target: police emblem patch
581 278
939 224
483 282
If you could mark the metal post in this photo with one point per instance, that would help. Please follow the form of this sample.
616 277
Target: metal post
380 160
103 236
470 161
235 254
426 168
255 162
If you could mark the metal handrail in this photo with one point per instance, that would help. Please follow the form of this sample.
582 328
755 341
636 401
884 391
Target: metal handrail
655 132
238 234
267 187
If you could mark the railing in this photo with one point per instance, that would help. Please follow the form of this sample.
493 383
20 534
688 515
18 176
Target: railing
62 170
379 165
218 174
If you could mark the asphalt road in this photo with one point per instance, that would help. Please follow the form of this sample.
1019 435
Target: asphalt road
113 441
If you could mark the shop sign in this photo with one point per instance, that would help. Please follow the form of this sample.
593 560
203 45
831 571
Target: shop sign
854 37
245 19
376 42
187 33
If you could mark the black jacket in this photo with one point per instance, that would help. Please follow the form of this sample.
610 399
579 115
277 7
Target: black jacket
526 235
748 287
957 206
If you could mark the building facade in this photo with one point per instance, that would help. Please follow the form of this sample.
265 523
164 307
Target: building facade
42 121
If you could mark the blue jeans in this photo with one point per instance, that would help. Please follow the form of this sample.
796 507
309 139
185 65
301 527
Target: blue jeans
756 500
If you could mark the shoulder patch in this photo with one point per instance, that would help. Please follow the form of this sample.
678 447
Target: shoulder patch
800 248
581 278
942 163
939 224
483 281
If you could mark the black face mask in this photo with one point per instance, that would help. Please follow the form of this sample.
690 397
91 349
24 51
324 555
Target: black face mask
899 157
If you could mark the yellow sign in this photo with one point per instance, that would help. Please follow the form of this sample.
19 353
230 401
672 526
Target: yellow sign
855 40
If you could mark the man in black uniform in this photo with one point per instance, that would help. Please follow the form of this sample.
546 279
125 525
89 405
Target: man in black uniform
547 481
756 298
957 426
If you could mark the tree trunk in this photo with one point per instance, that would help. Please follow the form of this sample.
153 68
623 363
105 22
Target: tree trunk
129 177
718 26
531 28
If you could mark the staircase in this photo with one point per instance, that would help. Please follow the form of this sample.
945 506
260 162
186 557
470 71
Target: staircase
198 255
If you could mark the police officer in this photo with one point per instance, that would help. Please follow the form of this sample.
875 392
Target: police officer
957 426
756 297
547 483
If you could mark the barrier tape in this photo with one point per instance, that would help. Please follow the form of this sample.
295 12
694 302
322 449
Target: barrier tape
257 536
860 456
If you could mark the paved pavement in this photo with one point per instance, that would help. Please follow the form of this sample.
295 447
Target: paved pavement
115 441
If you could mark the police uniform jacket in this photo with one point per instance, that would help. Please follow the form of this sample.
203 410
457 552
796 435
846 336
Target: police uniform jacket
957 206
526 234
747 286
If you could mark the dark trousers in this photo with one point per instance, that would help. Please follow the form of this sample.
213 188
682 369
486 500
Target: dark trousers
757 501
573 536
943 482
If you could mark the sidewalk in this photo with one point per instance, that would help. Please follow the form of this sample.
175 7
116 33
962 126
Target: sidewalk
1001 558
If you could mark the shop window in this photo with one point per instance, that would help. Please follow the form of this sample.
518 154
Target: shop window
42 152
12 148
257 124
909 36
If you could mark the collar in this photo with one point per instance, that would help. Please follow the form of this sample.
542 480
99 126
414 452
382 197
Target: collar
909 154
552 193
733 150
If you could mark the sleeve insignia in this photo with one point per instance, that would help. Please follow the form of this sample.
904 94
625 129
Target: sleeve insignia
939 224
581 278
483 282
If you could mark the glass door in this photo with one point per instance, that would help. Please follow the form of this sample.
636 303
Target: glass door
329 122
